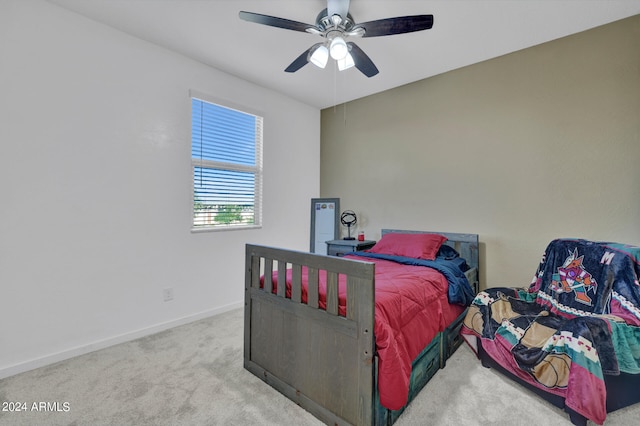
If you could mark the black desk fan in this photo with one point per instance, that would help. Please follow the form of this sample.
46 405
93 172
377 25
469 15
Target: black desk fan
348 218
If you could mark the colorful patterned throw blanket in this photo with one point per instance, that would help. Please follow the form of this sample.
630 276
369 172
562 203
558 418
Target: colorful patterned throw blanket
578 320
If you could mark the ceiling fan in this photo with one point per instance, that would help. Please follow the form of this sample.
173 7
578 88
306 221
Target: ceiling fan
336 25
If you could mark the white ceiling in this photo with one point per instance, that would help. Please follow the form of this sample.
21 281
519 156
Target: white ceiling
464 32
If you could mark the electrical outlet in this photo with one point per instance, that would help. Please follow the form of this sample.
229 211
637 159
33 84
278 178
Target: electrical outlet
167 294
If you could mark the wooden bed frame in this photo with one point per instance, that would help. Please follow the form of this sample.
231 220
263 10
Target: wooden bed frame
324 362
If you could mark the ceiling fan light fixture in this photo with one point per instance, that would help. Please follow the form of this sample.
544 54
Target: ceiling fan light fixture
345 63
338 48
320 56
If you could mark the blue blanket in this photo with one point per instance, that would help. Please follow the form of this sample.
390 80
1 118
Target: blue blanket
579 277
460 291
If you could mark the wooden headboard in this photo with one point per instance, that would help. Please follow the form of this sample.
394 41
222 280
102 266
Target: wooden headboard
465 244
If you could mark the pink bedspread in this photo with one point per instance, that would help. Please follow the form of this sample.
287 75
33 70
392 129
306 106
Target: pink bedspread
411 309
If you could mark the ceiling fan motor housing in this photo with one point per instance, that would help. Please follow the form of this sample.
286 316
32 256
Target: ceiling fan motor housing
325 23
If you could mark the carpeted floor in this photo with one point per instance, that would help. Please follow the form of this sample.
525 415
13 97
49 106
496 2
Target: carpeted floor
193 375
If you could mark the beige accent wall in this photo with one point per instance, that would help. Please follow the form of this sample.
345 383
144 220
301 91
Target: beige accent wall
535 145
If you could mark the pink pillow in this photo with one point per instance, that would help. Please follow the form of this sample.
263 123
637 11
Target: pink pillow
418 246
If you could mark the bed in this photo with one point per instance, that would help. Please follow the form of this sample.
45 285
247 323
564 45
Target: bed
317 341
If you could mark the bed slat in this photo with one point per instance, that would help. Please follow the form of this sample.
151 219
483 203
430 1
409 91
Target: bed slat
332 293
312 289
254 273
296 283
282 277
268 275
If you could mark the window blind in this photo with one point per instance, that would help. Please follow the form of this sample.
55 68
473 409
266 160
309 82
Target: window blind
226 157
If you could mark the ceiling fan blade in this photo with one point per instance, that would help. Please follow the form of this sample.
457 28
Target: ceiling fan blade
338 7
273 21
301 60
399 25
362 61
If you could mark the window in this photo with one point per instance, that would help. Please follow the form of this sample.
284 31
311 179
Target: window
226 159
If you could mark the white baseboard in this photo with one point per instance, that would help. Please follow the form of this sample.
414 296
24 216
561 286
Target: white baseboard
101 344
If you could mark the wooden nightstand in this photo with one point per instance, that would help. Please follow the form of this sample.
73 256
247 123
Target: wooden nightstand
342 247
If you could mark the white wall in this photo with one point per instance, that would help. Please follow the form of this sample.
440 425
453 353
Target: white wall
95 184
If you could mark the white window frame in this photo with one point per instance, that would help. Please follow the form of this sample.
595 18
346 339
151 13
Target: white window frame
256 169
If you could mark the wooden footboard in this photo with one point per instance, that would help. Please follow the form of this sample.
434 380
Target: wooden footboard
321 361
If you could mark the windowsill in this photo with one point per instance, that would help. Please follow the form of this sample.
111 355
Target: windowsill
234 228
